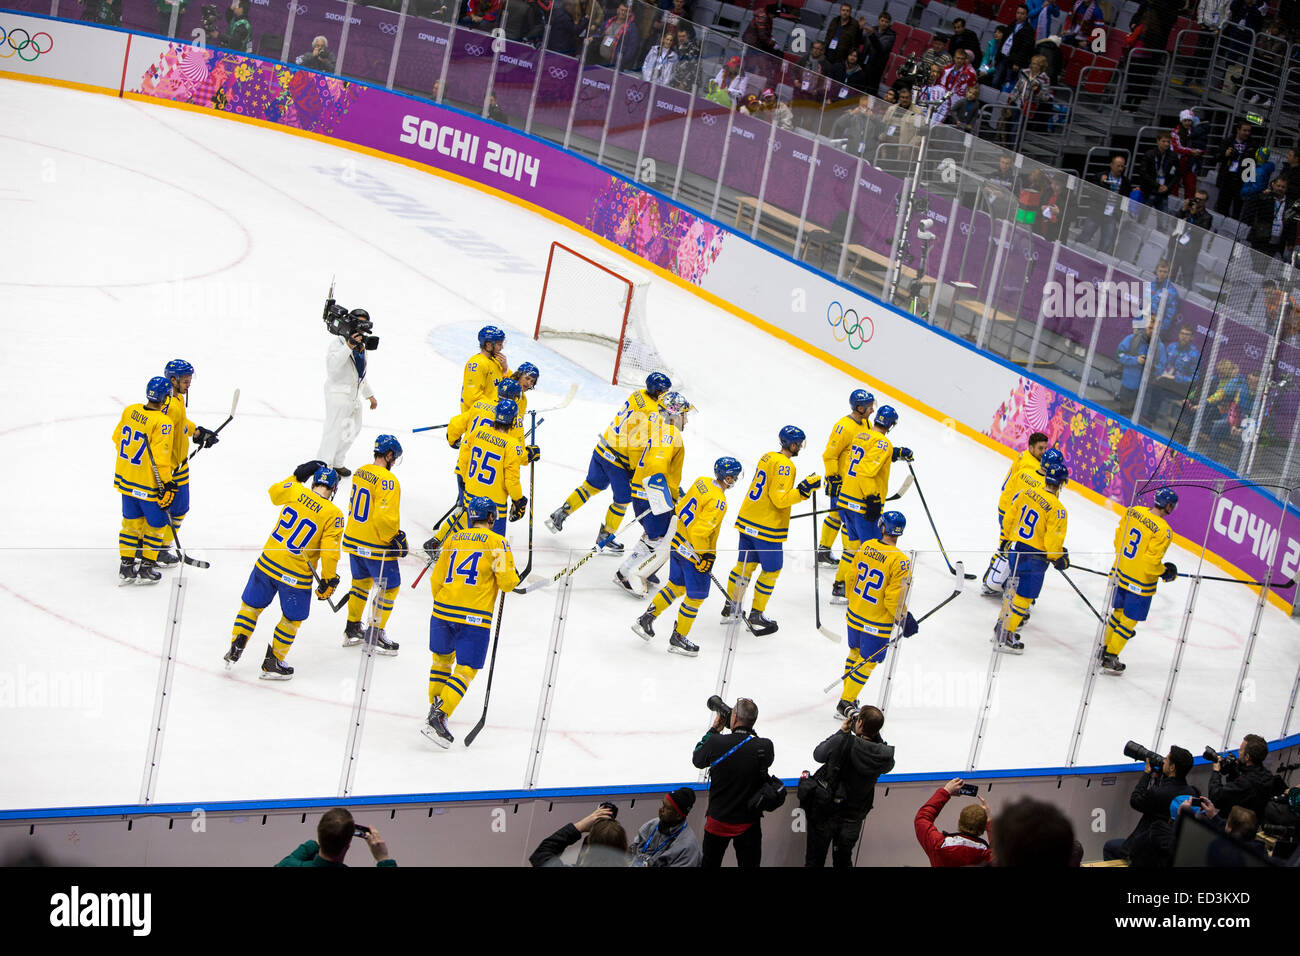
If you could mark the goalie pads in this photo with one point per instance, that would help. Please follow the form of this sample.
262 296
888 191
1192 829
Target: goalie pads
996 576
657 494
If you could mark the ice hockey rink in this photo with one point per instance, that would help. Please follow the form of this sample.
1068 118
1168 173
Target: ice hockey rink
136 233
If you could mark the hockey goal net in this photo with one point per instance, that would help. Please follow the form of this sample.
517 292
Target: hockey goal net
593 299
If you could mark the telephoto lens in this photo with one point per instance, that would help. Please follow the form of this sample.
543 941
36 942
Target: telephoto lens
720 706
1135 751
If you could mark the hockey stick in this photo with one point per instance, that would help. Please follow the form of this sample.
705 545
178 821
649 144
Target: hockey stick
824 631
532 469
333 607
429 428
570 569
153 465
233 403
902 490
960 575
428 564
492 666
1281 585
969 577
1095 612
564 403
836 683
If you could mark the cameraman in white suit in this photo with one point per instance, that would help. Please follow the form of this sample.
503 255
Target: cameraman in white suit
346 385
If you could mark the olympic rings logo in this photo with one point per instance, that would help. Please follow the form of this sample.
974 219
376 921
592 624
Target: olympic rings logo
708 119
846 326
557 72
841 171
389 28
473 49
10 45
297 8
635 94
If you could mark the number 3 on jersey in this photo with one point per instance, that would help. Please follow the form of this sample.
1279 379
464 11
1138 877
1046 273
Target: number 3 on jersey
760 481
1134 538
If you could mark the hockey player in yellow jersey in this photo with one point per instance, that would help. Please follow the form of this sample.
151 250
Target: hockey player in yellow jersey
656 486
489 464
1035 525
764 523
877 601
474 566
145 496
180 374
694 550
310 528
836 460
864 488
1141 540
613 461
526 376
1031 476
484 367
375 543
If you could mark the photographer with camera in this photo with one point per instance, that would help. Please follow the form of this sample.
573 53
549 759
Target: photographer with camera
605 844
668 840
966 847
1151 842
738 765
838 797
334 835
1242 781
345 381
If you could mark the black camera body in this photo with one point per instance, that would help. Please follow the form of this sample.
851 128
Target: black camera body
720 707
1227 763
909 74
339 321
1135 751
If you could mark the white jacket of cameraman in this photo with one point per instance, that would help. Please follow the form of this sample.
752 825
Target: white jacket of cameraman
344 390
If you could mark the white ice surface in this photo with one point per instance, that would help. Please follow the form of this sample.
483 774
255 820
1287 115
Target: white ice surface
136 233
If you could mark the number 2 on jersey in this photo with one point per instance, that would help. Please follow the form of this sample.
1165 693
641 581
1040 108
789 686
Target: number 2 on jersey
868 581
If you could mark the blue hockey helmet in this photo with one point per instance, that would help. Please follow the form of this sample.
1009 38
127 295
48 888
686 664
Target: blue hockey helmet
1166 498
656 383
508 388
860 398
178 367
480 508
158 389
1056 474
527 368
791 435
507 411
886 417
1051 456
726 467
386 443
892 522
326 476
490 333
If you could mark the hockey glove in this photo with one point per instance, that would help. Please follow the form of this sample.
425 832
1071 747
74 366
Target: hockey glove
1063 562
431 548
874 508
325 590
167 495
903 454
704 562
307 469
534 453
518 507
1171 571
910 626
397 548
833 483
205 438
806 486
455 444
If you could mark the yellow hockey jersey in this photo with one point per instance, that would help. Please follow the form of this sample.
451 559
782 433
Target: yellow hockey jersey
881 572
1025 478
765 512
1036 518
663 455
699 517
182 429
480 378
836 456
1024 461
489 464
870 456
482 411
134 472
629 432
474 565
374 512
310 528
1141 541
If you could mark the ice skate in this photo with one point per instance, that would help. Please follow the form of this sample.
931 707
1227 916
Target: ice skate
274 669
605 541
555 523
761 624
825 558
168 559
680 645
147 573
236 649
837 593
1111 664
644 627
730 611
352 634
435 726
126 572
628 586
846 709
383 646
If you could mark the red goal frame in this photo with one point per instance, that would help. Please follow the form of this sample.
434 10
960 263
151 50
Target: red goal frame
627 304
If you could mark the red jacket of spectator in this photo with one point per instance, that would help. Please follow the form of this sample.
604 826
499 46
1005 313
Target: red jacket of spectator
948 849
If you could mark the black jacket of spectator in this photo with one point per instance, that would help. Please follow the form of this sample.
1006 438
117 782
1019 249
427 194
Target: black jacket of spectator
1151 166
1264 209
548 853
734 780
876 49
1153 835
860 767
966 40
1022 46
565 31
1158 21
1251 788
846 36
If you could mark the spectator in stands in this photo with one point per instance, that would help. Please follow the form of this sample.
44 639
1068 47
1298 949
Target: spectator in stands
937 54
1255 181
677 20
1271 306
842 35
239 32
1185 244
164 8
481 14
568 26
1227 431
1272 228
1047 20
1245 21
902 121
965 114
1211 15
661 61
1267 64
1246 783
1181 142
1104 212
1050 203
1219 393
738 765
958 78
751 106
1144 48
807 77
1231 158
1240 824
966 847
1156 173
1174 380
334 835
1032 834
1151 797
1292 171
933 96
495 112
779 114
668 840
964 39
853 75
1164 298
1032 98
758 35
1086 16
1001 187
1134 353
319 58
988 62
877 45
606 843
618 40
855 756
731 79
1016 51
859 128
